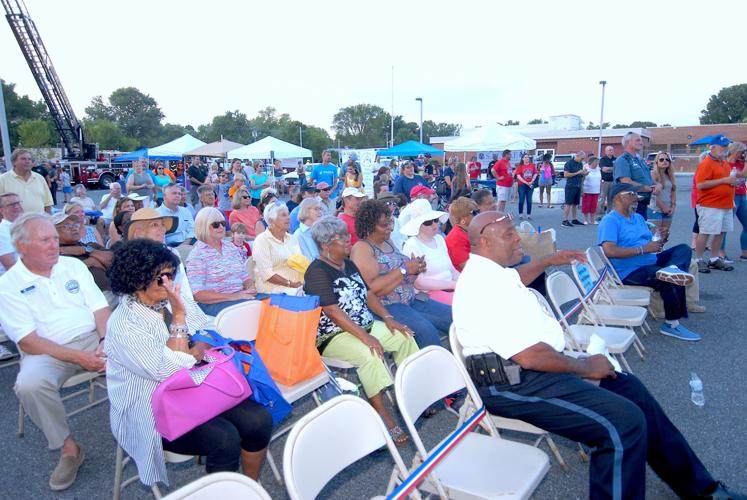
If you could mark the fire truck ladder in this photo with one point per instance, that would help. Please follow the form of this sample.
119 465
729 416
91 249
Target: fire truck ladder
40 63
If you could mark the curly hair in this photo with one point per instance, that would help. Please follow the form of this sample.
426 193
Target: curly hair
136 264
368 215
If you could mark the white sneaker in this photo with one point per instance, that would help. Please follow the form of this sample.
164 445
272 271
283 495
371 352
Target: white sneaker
674 275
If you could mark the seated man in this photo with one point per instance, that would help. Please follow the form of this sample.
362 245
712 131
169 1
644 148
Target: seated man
51 308
619 419
639 260
184 232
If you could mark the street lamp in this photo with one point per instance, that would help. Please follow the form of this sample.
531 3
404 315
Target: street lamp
421 117
300 135
603 83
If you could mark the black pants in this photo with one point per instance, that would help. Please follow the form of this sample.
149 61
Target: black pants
620 420
247 426
673 296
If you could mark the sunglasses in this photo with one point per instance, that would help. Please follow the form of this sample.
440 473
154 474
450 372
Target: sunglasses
475 211
170 275
662 160
326 189
217 224
244 197
71 227
496 221
429 223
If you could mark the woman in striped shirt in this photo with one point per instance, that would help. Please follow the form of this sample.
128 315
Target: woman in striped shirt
147 341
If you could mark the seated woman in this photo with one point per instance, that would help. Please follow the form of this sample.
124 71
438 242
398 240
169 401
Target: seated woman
89 233
81 197
271 251
426 240
215 268
147 341
244 212
347 330
391 275
309 211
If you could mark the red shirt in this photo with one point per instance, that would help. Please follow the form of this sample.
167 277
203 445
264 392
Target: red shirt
502 168
474 168
349 221
457 243
526 171
741 188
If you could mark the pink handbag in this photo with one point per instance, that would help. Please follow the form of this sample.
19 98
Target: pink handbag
191 397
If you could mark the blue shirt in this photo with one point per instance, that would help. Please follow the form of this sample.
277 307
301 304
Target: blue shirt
631 166
224 200
403 184
328 173
294 221
258 180
626 233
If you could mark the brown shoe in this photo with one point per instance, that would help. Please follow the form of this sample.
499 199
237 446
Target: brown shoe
64 474
695 308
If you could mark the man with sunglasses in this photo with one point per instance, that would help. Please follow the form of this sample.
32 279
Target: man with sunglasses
329 207
619 419
630 168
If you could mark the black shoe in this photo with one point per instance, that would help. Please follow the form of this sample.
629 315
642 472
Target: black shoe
566 224
577 222
721 492
720 264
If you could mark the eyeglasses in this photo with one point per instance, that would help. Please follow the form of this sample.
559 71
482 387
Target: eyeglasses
165 274
629 193
342 237
14 204
217 224
429 223
475 211
71 227
496 221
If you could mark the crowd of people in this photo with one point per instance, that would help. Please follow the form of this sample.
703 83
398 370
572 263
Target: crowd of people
122 285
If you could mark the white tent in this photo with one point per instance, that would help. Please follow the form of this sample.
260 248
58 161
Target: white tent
177 147
491 137
217 149
267 148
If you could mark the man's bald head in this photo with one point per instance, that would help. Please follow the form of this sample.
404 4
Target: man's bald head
493 236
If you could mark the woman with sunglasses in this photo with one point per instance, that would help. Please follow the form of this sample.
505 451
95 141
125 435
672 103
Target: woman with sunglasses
160 180
426 241
664 203
147 341
215 267
258 181
244 212
391 275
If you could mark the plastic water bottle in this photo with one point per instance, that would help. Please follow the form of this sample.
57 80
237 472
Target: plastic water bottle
656 236
696 385
733 172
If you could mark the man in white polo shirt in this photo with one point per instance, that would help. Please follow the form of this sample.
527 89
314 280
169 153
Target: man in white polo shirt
53 311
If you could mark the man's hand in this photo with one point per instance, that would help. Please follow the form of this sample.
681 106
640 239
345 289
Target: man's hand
563 257
732 181
654 246
599 367
656 188
91 361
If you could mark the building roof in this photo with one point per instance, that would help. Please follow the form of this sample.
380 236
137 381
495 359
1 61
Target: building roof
544 133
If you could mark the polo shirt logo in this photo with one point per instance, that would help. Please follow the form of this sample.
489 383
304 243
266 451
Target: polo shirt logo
72 286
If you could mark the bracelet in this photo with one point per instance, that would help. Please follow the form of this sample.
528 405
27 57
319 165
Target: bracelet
178 330
102 339
640 250
388 316
178 336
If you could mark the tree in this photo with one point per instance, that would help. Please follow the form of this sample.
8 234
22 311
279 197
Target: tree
34 134
231 125
362 125
20 109
591 126
433 129
728 106
665 125
107 135
136 114
511 122
405 131
536 121
635 124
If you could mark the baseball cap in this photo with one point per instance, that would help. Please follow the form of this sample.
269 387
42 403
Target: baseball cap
622 188
322 185
420 190
351 191
719 140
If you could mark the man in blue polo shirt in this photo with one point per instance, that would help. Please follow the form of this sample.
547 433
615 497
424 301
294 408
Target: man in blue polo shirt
631 169
639 259
327 172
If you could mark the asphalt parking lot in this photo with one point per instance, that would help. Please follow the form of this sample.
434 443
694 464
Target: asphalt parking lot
715 431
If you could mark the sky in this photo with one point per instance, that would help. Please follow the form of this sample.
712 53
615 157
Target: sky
472 62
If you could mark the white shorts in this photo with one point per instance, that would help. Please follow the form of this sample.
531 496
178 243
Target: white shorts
502 193
715 220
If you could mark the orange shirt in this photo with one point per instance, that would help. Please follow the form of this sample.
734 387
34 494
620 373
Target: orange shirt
721 196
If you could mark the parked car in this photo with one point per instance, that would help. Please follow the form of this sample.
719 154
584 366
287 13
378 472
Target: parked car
559 161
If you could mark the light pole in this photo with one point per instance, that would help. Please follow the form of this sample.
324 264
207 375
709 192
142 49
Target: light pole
421 117
300 135
603 83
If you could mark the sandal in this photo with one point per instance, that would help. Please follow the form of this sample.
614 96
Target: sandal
398 435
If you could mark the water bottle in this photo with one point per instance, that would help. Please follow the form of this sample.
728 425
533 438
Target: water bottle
733 172
696 385
656 236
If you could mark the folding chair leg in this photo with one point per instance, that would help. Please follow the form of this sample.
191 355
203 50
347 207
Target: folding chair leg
639 342
624 362
637 349
156 492
275 471
118 473
556 452
582 453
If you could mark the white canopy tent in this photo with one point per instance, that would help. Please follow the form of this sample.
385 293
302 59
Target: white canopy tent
491 137
269 147
217 149
177 147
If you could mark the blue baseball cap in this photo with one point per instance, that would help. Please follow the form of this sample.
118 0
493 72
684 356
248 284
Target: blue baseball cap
719 140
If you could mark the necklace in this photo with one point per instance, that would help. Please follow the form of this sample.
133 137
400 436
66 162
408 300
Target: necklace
339 267
157 307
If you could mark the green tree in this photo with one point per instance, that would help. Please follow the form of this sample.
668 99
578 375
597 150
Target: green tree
511 122
405 131
20 109
231 125
171 131
536 121
107 135
728 106
433 129
591 126
136 114
643 124
361 125
34 133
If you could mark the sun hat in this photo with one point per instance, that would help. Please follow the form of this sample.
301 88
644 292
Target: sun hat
136 197
421 211
351 191
60 217
142 214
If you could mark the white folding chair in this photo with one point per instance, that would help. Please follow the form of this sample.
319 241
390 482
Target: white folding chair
510 424
241 322
92 379
223 485
330 438
480 465
586 275
599 260
562 291
8 362
121 462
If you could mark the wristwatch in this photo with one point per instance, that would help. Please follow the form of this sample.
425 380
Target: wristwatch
403 270
88 248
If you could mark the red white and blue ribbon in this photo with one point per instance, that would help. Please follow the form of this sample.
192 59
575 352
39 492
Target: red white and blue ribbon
425 468
595 287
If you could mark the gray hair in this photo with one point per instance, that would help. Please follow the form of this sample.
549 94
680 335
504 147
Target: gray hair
19 229
18 152
170 186
6 195
272 210
306 206
582 154
326 228
627 137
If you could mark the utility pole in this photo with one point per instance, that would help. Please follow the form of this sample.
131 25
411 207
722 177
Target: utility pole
421 117
603 83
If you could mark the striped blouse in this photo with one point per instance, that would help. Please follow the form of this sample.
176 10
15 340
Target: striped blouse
137 360
222 272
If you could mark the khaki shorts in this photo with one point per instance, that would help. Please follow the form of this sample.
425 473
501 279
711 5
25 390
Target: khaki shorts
502 193
715 220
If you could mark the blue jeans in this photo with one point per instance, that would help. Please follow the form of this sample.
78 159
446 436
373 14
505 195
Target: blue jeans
740 210
428 319
525 195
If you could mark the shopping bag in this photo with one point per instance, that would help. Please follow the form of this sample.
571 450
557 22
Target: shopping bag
248 361
538 245
286 338
191 397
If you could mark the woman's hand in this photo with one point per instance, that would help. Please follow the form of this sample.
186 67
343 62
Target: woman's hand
373 343
415 265
396 326
244 295
174 297
249 287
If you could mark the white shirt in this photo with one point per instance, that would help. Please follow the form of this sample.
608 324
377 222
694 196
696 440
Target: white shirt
6 244
494 311
59 308
108 209
438 263
593 181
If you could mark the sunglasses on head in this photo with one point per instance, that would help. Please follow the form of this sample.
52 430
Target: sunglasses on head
430 222
217 224
170 275
496 221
